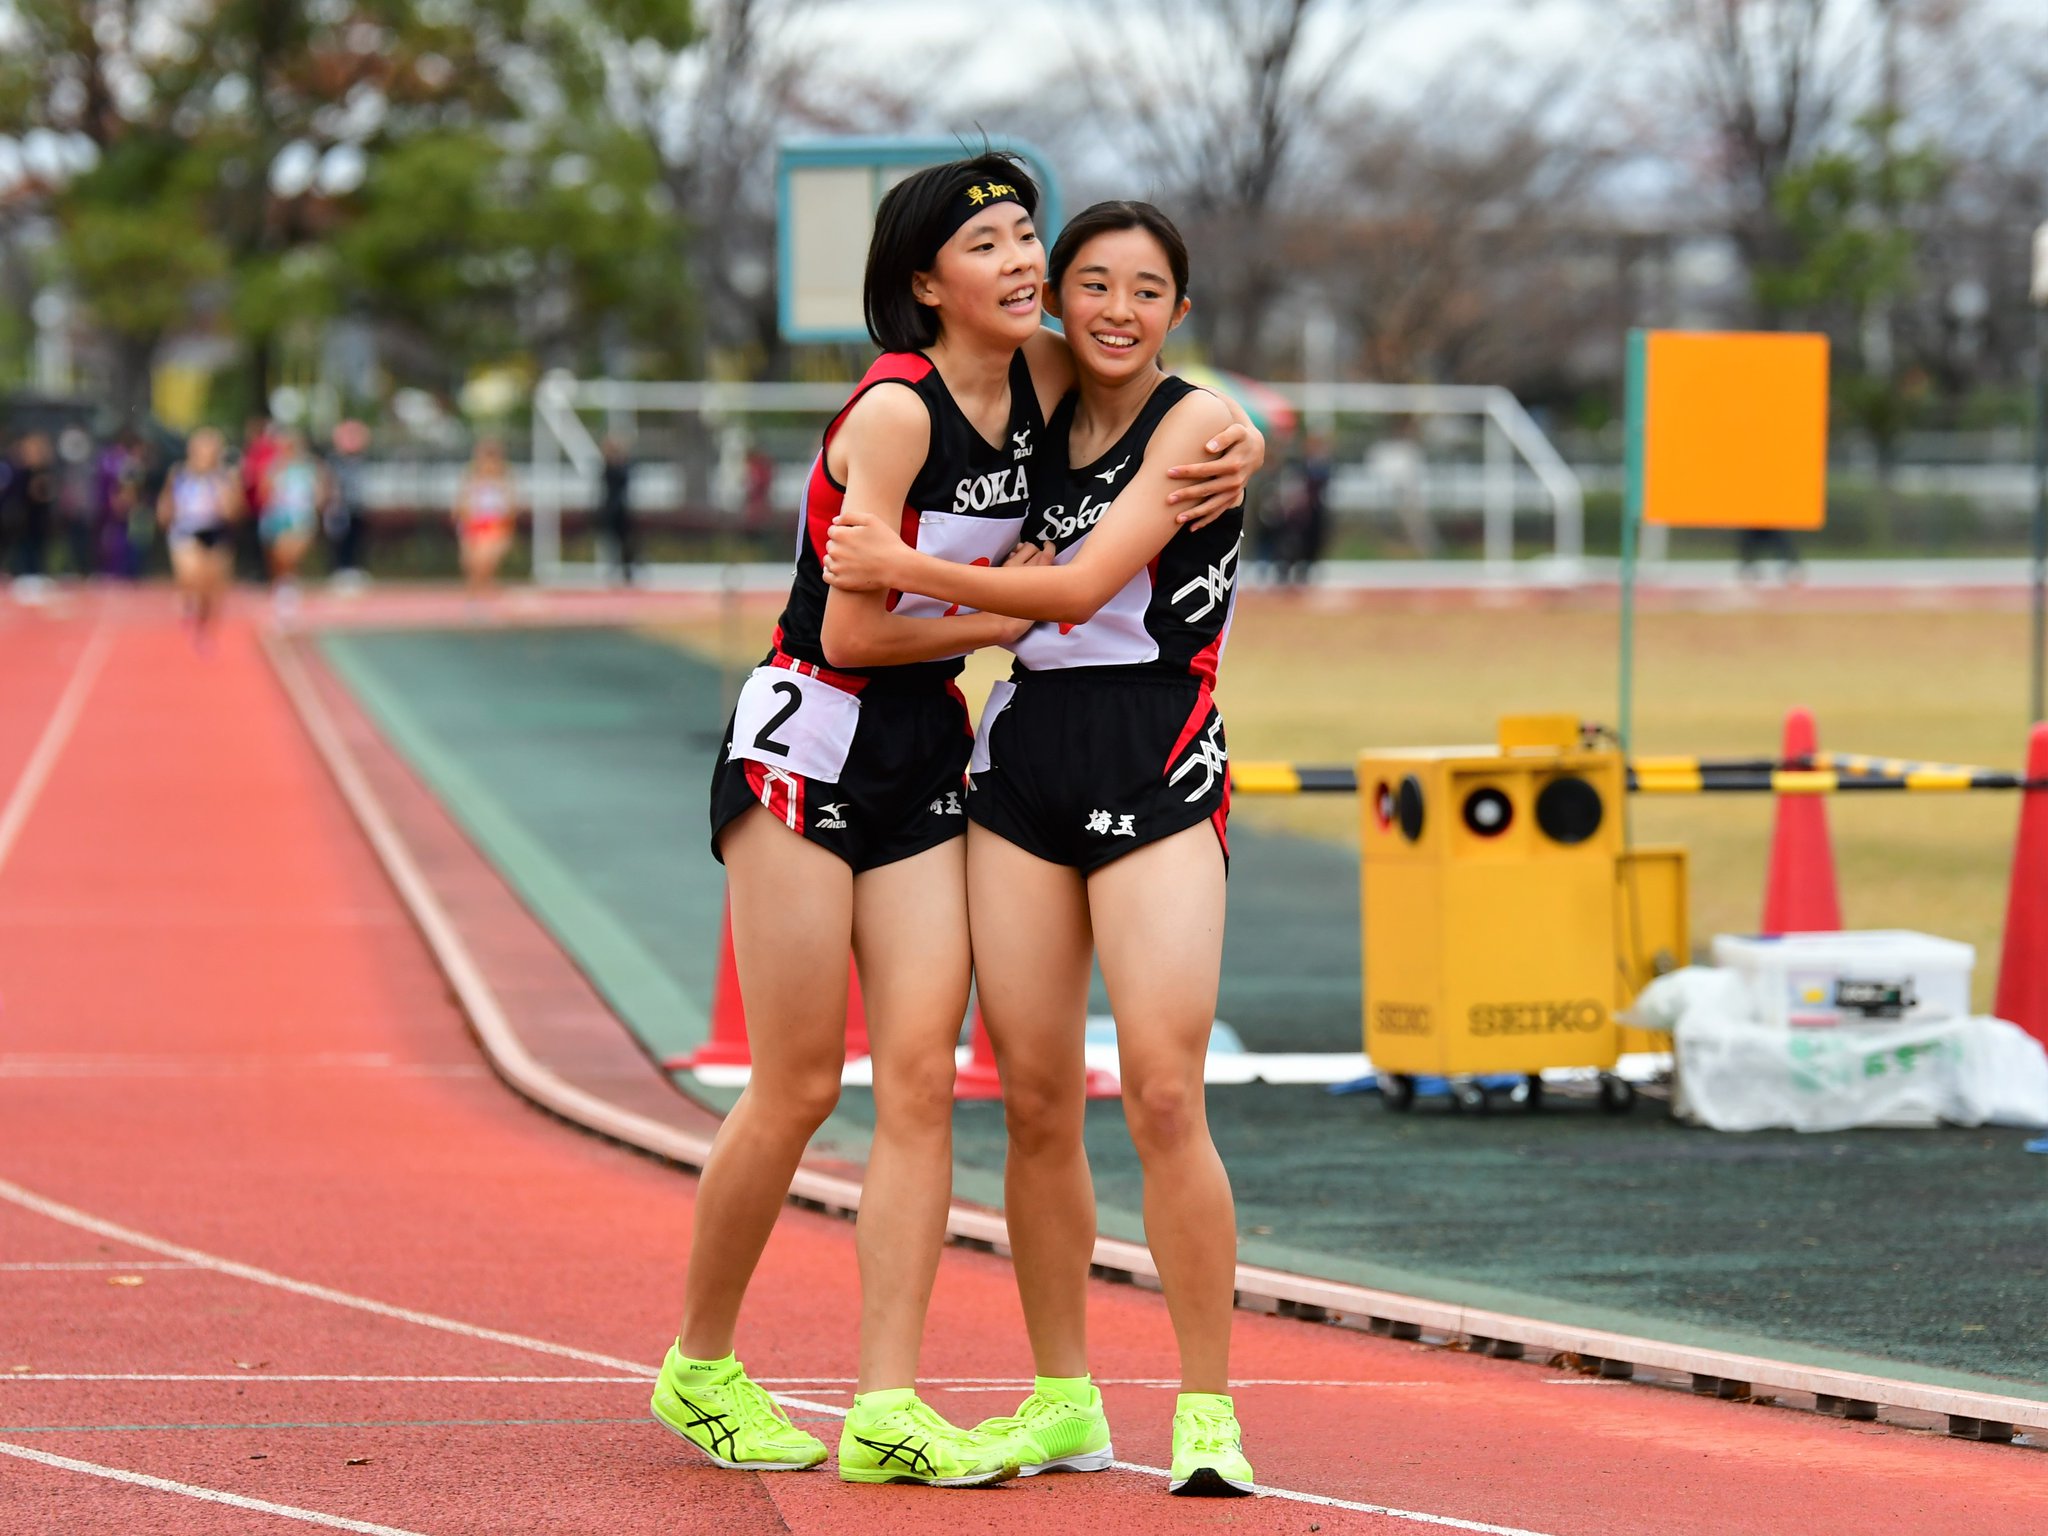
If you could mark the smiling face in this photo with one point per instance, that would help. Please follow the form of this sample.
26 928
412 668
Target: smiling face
1117 301
986 280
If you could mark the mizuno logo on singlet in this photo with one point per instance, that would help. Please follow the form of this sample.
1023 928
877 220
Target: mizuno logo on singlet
1108 476
977 493
1022 439
1214 584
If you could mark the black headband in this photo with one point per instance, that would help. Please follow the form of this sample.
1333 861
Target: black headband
979 195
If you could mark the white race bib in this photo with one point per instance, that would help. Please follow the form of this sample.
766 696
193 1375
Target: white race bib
998 701
800 724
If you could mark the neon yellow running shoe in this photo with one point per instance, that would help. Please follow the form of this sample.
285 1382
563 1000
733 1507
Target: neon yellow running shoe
1208 1449
715 1407
897 1437
1048 1433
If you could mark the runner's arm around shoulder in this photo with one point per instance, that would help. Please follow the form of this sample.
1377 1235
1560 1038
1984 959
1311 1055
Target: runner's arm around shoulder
1221 471
1135 528
884 439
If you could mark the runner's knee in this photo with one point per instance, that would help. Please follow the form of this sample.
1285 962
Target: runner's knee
1164 1113
916 1096
1042 1112
799 1101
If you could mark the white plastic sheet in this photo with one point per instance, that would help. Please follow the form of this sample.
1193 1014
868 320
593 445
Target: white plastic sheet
1737 1073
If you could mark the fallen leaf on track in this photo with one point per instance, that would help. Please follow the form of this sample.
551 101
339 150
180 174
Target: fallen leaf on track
248 1365
357 1461
124 1279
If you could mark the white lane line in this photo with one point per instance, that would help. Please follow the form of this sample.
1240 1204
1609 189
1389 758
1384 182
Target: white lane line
77 1218
36 772
19 1268
205 1495
28 1064
246 1377
991 1382
1448 1522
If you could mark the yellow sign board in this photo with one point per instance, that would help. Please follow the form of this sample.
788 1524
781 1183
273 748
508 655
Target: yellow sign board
1734 428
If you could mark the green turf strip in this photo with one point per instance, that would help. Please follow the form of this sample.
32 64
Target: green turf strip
580 759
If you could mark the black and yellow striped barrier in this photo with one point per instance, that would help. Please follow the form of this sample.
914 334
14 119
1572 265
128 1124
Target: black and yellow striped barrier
1693 776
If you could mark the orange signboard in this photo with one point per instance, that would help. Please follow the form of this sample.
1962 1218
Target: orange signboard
1734 428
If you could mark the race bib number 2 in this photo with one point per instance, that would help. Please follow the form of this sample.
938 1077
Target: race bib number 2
802 725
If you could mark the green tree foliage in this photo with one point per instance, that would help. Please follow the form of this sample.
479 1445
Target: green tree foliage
448 167
1853 217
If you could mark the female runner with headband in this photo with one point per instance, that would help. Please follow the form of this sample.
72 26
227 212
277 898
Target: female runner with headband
837 808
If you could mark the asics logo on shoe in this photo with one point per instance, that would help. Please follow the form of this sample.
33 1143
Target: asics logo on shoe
914 1461
722 1438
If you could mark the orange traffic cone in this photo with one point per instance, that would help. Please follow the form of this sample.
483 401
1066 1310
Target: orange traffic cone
728 1046
1799 893
2023 968
980 1080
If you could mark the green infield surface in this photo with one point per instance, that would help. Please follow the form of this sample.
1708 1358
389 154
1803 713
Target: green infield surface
578 759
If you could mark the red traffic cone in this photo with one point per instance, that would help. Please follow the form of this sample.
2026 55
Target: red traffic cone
1799 892
2023 968
980 1080
728 1045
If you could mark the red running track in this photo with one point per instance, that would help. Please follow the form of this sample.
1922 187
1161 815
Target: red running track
277 1251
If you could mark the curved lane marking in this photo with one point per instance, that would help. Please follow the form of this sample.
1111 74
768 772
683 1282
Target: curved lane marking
71 1216
36 771
206 1495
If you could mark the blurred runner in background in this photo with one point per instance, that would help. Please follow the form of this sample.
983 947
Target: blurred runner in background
291 509
200 504
484 516
259 447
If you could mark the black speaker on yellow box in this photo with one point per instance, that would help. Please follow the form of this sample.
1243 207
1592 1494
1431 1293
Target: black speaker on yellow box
1490 880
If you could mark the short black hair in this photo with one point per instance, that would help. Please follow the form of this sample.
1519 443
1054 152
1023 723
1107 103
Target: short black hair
917 216
1104 218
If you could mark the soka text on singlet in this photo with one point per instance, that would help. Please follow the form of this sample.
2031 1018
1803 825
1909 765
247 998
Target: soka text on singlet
1055 525
977 493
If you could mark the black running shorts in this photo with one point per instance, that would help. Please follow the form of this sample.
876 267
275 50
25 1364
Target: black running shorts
1085 764
874 776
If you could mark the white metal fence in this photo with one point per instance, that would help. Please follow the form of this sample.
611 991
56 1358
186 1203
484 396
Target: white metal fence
1413 455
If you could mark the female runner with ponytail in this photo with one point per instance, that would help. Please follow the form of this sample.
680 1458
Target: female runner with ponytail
1099 794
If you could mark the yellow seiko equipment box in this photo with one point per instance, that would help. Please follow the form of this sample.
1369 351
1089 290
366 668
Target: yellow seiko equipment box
1500 934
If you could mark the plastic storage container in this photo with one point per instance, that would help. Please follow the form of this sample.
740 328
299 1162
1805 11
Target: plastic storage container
1818 980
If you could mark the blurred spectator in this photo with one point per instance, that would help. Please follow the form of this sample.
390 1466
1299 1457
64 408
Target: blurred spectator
614 507
117 496
31 497
347 518
77 501
201 502
259 447
1307 523
1753 546
291 510
757 508
484 516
